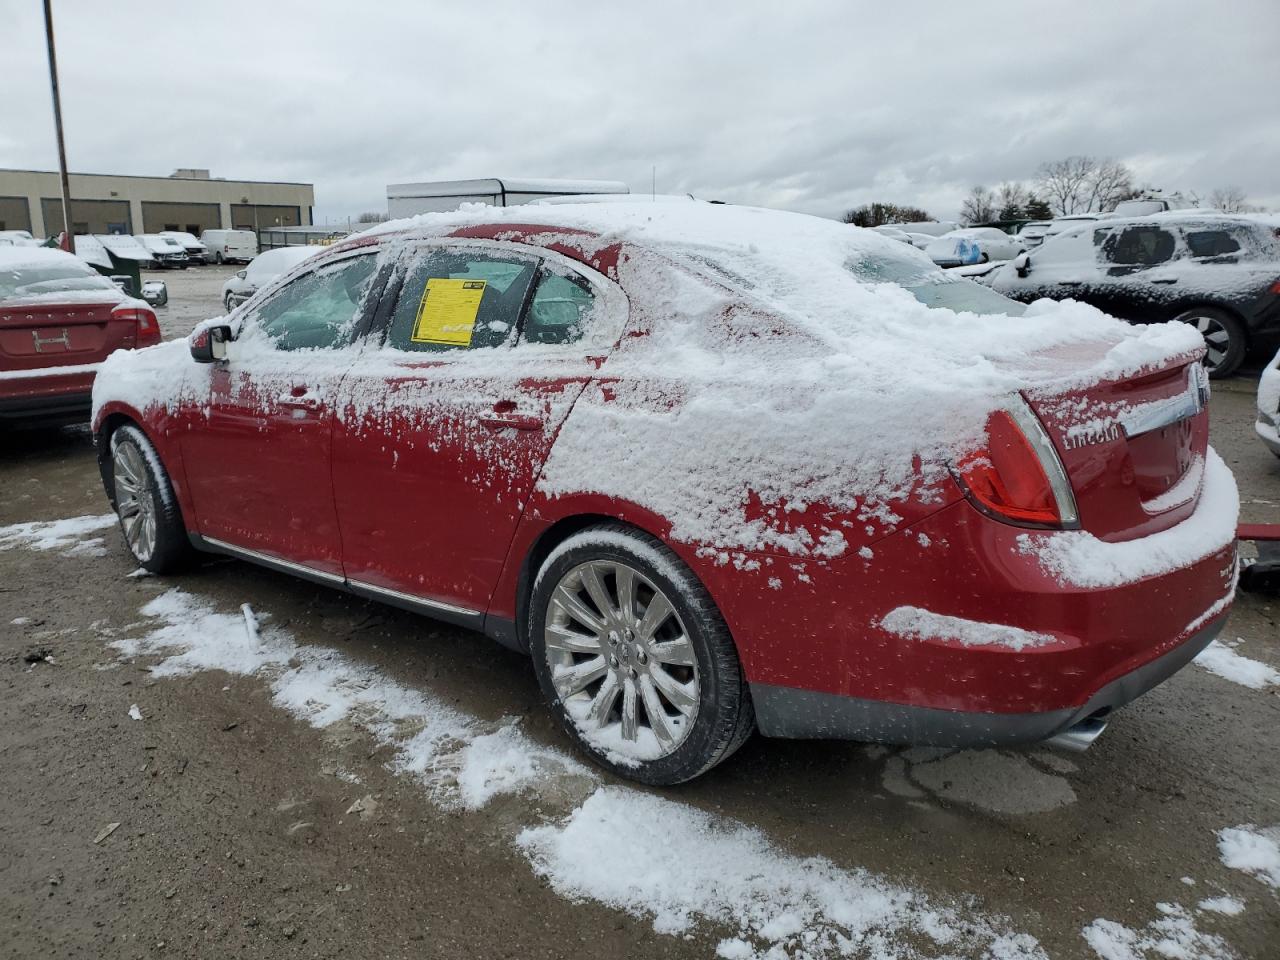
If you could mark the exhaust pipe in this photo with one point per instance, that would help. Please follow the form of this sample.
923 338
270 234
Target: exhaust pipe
1080 736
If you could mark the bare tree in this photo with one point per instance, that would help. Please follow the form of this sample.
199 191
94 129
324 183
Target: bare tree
1011 200
1231 200
878 214
979 206
372 216
1110 183
1065 184
1083 184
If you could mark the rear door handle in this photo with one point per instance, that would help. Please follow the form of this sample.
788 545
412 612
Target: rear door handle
1164 280
303 402
513 420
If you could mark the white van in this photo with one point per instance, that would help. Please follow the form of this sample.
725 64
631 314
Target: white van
227 246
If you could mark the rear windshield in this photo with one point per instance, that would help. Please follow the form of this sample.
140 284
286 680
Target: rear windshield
35 279
935 288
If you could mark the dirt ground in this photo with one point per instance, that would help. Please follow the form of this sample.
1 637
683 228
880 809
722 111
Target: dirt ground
237 833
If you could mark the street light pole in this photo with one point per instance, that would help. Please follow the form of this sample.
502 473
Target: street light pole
68 242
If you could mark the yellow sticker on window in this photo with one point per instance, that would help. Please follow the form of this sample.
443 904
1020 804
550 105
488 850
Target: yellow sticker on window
447 313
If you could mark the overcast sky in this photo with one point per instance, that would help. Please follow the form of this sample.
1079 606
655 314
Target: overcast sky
808 106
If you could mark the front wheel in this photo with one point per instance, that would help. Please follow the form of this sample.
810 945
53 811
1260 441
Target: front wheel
1224 339
149 515
217 258
634 658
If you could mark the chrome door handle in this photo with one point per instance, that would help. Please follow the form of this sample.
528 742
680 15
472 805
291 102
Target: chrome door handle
298 403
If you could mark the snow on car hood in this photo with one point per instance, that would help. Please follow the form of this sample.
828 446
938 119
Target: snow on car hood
761 378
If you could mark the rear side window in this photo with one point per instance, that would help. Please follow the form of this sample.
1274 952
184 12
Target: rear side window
1139 246
559 311
933 287
317 310
1211 243
460 300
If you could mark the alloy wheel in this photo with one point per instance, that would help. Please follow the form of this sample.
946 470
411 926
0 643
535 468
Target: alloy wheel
135 502
1217 340
621 660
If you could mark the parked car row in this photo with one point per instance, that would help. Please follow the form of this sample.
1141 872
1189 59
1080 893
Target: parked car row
1216 271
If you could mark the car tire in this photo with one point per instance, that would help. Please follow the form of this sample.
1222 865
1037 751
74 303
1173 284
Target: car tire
143 497
673 658
226 302
1224 336
217 258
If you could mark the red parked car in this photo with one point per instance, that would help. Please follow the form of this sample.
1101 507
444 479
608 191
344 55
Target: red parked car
715 469
59 319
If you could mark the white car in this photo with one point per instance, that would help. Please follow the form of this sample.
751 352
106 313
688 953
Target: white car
1268 423
973 245
197 252
1032 233
264 268
166 253
1062 224
18 238
230 246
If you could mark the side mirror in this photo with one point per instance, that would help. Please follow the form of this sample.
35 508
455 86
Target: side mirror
1022 263
241 273
209 344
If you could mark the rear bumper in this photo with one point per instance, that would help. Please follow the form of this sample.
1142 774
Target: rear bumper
48 409
47 394
807 714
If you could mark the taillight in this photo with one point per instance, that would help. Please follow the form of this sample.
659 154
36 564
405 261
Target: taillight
1017 476
1275 288
148 332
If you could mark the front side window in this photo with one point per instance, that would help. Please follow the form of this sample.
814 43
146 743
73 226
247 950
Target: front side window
1139 247
318 310
460 300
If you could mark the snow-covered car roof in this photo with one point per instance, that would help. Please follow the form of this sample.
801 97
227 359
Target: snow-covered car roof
124 246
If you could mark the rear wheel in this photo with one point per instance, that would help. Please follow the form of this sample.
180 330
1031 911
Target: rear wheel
148 510
634 658
1224 339
217 258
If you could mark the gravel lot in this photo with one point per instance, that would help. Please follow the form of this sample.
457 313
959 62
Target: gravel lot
242 828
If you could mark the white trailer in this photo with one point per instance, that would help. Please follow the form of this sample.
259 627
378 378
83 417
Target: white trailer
441 196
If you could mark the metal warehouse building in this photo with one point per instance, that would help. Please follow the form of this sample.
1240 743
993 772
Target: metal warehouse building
188 200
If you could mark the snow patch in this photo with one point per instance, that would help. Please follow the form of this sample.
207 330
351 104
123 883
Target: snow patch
1220 659
686 867
1172 936
918 624
1254 850
70 537
464 761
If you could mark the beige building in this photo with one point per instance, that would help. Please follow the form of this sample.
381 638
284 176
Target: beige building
188 200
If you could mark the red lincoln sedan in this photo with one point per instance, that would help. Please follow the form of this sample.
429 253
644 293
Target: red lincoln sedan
715 469
59 319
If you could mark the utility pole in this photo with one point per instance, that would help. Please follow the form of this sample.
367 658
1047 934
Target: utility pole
68 238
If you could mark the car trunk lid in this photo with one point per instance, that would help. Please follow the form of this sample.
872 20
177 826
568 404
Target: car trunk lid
38 334
1133 448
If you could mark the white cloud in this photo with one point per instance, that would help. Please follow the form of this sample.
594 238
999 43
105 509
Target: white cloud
812 106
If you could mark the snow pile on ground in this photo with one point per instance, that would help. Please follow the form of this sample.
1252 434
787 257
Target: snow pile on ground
461 759
1220 658
642 854
653 857
1255 850
71 536
1228 906
1172 935
1080 559
921 624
